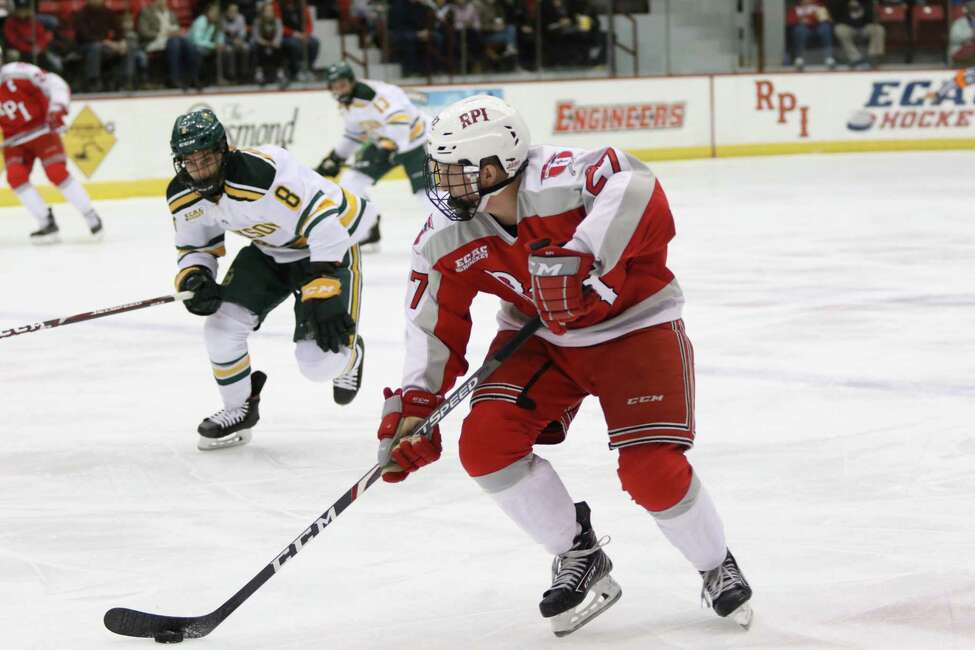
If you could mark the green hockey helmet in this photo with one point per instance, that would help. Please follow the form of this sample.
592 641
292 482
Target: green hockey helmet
339 71
193 132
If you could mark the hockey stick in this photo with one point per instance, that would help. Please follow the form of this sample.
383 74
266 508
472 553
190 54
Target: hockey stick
172 629
98 313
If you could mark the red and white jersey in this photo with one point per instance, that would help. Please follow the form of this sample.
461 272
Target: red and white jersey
602 201
27 95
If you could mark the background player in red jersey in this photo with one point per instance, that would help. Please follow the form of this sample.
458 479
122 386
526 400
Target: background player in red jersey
579 238
33 106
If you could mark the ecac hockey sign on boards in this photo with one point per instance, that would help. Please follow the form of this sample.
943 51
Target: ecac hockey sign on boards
912 104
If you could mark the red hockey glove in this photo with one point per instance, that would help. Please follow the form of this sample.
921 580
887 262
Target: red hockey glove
557 289
406 452
55 118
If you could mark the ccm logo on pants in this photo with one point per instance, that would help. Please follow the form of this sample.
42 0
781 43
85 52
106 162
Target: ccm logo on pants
644 399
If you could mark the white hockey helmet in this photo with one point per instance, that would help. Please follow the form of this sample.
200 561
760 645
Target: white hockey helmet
463 137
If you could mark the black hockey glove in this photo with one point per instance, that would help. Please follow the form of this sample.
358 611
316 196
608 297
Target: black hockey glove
326 317
206 292
330 166
375 156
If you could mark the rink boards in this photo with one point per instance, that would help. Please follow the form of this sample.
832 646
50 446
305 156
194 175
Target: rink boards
120 147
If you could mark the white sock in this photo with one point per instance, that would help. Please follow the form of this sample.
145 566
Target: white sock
694 528
533 496
74 192
226 334
32 200
317 365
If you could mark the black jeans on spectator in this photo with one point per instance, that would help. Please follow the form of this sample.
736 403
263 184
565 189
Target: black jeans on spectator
182 60
295 52
268 61
237 61
94 54
412 52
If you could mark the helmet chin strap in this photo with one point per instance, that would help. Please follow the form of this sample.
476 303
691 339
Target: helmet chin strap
496 189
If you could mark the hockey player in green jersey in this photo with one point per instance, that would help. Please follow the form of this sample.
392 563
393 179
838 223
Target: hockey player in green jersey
383 129
304 233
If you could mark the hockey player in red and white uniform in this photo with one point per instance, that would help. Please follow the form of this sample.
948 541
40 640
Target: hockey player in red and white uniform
33 105
579 238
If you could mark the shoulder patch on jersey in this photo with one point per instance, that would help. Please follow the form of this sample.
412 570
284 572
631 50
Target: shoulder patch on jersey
179 196
558 163
250 174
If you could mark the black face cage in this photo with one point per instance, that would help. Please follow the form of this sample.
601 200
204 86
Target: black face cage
454 200
209 187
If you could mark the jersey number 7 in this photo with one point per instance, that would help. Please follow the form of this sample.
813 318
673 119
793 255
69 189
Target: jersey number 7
593 185
421 280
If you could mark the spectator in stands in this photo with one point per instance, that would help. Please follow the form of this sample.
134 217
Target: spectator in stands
160 30
811 17
267 31
961 39
99 37
237 51
497 33
558 30
855 19
523 19
136 61
463 16
366 13
27 36
409 28
249 9
297 42
590 35
206 38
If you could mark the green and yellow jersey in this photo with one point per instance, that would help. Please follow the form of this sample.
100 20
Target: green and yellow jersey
287 210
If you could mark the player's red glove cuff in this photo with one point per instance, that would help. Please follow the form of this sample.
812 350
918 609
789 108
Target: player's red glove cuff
410 452
55 119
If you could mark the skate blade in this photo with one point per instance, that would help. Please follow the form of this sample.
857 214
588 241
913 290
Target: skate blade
604 595
234 439
97 237
743 615
46 240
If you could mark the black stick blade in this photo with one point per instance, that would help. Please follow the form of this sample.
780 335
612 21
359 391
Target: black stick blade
130 622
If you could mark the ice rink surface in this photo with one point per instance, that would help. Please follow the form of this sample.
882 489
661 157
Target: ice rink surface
832 309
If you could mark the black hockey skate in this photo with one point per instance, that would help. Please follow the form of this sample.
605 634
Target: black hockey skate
231 428
48 233
727 592
346 386
371 243
582 588
97 228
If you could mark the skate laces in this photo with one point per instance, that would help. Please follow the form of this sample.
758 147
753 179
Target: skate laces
350 380
718 580
229 418
570 566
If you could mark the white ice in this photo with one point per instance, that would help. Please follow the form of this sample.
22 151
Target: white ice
832 308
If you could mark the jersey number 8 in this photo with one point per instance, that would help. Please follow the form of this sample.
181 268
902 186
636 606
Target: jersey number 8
286 196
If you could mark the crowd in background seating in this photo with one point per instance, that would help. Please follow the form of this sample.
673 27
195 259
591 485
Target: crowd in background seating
107 45
863 29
